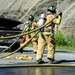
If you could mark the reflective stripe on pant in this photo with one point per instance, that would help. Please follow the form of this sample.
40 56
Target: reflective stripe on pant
42 41
34 42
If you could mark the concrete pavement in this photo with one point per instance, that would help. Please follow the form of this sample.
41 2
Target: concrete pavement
63 57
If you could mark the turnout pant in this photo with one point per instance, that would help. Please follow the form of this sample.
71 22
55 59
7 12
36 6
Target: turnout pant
34 42
42 42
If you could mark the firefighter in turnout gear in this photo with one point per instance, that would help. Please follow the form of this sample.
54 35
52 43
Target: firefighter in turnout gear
32 26
46 37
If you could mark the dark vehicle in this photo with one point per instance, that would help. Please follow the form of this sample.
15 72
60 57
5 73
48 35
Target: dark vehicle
9 27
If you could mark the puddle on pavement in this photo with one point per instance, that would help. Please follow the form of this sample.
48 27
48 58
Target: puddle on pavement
38 71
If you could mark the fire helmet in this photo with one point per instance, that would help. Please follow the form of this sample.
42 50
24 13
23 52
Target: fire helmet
31 18
52 9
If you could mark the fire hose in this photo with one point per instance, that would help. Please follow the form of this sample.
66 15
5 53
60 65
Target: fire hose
24 44
23 30
25 33
12 43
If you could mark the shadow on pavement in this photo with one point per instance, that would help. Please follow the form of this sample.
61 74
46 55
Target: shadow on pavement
27 50
65 61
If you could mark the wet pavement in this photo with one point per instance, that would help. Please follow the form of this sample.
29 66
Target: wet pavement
63 56
38 71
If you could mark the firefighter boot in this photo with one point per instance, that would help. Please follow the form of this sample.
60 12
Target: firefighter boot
40 61
35 52
52 61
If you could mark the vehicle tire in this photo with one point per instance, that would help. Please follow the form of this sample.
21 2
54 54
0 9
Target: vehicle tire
16 46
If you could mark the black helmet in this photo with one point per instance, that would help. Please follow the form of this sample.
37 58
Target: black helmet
31 17
52 9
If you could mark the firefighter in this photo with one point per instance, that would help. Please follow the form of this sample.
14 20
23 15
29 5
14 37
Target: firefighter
32 26
24 37
46 37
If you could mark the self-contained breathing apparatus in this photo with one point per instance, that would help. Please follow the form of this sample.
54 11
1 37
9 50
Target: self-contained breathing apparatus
41 22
